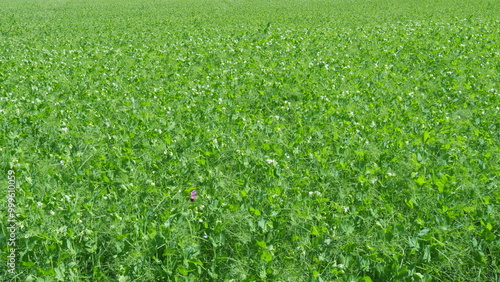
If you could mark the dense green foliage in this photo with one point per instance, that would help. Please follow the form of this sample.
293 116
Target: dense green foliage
327 140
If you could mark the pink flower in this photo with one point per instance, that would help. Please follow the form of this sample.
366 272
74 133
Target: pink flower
193 195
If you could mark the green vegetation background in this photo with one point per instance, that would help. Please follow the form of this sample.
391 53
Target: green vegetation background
327 140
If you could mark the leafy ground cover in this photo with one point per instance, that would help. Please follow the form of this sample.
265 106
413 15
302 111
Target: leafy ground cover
326 140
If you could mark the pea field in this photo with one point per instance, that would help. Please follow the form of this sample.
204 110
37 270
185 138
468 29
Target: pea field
250 140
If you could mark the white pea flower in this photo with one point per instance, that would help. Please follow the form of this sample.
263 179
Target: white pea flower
271 161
